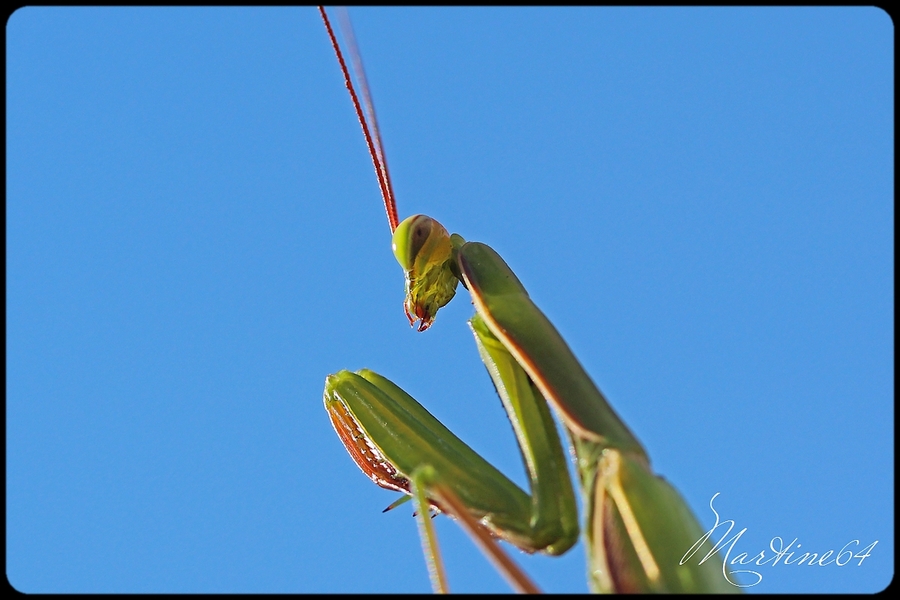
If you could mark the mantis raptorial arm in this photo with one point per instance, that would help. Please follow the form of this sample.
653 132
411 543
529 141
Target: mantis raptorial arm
401 446
637 526
392 438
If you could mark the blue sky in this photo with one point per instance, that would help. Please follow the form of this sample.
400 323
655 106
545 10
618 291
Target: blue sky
701 200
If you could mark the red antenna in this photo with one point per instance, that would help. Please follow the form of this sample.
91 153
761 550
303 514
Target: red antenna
376 148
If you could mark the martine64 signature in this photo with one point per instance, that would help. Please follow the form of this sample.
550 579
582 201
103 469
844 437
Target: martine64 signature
781 553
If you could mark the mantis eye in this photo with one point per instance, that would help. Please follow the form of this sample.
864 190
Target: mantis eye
410 238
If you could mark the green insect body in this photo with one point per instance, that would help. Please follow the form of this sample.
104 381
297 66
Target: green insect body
636 527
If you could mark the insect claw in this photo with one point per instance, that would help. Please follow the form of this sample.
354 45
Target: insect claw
412 320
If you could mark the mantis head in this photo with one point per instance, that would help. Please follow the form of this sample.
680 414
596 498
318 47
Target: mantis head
427 254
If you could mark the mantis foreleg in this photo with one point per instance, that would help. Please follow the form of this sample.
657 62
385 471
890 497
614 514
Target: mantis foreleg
637 526
401 446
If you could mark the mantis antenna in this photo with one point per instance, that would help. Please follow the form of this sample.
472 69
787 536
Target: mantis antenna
373 139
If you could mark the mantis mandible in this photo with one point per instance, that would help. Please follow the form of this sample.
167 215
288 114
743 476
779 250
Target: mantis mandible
637 527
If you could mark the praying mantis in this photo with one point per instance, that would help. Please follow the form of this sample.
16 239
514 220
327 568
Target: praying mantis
636 526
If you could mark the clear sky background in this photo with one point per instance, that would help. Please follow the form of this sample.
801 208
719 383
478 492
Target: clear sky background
701 200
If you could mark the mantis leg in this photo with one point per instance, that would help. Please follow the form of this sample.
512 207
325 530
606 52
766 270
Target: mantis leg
430 548
641 529
425 479
637 526
401 446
